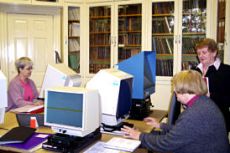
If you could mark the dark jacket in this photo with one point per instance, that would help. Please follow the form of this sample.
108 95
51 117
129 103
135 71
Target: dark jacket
219 88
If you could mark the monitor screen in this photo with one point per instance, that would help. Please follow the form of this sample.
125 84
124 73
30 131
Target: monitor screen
72 110
143 68
115 91
59 75
3 95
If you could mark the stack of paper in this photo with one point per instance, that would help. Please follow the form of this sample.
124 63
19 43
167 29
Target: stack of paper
29 109
122 144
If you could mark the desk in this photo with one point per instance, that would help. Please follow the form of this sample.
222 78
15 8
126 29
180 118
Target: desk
11 122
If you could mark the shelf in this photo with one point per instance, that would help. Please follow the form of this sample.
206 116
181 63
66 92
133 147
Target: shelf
93 46
98 33
130 15
99 17
74 21
124 32
74 37
163 15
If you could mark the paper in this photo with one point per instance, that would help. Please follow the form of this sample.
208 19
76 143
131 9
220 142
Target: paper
122 144
27 109
99 148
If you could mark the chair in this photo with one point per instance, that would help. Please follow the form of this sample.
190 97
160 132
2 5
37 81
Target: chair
174 110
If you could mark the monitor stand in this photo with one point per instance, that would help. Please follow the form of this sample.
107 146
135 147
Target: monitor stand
71 144
140 108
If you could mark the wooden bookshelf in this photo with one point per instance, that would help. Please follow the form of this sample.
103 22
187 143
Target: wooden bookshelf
100 35
129 30
163 36
193 30
74 38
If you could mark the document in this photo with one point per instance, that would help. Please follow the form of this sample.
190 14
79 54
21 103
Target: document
122 144
99 148
29 109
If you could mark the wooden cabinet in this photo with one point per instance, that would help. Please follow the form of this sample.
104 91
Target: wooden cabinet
115 33
176 27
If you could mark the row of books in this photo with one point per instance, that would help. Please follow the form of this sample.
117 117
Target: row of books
130 24
194 6
130 9
74 14
163 24
163 45
188 44
164 67
100 53
100 11
130 38
74 29
126 53
99 39
74 45
94 68
163 8
100 25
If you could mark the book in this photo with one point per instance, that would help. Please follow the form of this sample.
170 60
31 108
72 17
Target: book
32 144
33 109
17 135
123 144
99 147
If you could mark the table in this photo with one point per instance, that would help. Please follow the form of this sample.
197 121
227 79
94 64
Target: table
11 122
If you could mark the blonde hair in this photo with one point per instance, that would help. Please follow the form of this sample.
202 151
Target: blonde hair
22 62
189 81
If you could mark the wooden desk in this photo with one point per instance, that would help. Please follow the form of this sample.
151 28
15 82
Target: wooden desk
11 122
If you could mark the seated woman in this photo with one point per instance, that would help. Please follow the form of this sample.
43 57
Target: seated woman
22 90
199 128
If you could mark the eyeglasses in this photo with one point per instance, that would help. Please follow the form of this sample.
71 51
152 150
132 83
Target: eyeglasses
29 68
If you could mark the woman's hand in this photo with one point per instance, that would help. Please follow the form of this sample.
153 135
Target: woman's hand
152 121
38 103
131 132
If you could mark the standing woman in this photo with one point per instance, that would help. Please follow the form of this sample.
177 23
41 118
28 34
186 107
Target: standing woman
22 90
218 75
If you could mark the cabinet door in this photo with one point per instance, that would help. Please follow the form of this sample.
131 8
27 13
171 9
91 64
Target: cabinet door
74 38
163 23
99 38
129 30
194 17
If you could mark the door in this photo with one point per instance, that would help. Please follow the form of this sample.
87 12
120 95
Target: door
32 36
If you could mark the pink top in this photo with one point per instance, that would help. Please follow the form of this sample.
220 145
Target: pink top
19 95
28 92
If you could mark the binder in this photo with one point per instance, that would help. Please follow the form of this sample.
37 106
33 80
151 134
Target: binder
17 135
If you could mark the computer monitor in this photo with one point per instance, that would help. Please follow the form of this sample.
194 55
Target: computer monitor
143 68
3 95
115 92
59 75
72 111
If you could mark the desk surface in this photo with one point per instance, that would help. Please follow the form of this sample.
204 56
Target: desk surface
11 122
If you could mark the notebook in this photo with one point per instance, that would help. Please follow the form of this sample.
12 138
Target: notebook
32 144
17 135
123 144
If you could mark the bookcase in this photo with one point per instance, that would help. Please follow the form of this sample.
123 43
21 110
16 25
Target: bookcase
176 27
74 38
115 33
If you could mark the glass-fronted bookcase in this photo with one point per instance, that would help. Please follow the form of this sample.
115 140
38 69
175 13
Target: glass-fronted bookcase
115 33
176 28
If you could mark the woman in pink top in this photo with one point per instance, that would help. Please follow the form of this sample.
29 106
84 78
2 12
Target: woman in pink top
22 90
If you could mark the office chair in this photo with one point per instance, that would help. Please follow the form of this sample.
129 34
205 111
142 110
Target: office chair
174 110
